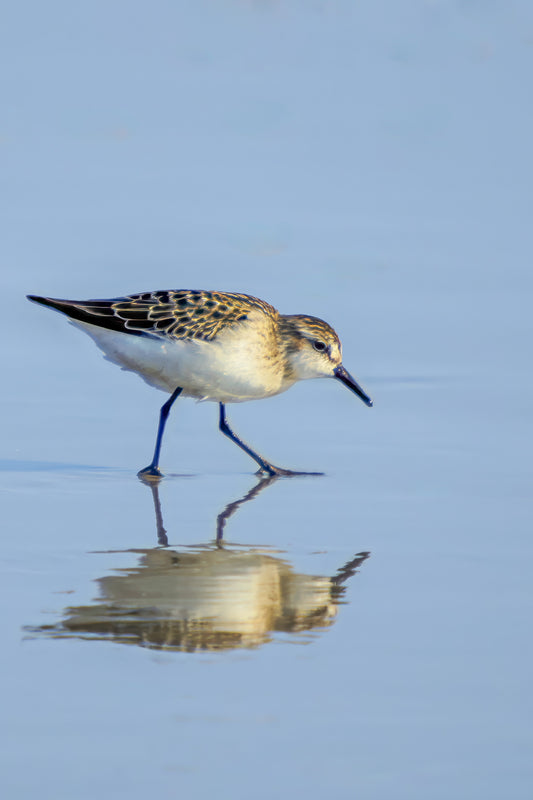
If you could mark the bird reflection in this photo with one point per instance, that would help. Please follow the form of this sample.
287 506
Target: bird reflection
206 598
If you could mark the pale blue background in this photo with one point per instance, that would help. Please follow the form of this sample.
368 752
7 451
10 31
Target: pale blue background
367 162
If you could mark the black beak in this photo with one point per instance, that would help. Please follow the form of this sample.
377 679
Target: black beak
344 376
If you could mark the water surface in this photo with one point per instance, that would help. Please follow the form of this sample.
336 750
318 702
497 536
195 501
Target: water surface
365 633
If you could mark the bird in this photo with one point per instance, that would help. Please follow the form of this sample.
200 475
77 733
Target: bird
224 347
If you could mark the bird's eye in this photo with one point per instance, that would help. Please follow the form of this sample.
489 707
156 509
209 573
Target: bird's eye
318 345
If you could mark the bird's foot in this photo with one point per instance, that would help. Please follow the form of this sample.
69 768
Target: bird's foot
275 472
150 473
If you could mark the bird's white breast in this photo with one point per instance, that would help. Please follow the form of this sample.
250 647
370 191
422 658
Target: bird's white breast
238 365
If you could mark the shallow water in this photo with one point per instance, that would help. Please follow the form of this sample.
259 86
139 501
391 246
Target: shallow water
366 632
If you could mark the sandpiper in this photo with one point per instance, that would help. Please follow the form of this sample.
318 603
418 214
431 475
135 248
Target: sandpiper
210 345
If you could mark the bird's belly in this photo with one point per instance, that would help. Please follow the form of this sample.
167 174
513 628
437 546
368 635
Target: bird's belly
222 372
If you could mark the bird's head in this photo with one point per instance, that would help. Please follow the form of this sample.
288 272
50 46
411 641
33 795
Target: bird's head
313 350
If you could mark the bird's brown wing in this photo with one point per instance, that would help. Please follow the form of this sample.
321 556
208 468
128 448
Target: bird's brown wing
179 314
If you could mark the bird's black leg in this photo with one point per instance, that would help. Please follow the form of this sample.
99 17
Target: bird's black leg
265 466
152 470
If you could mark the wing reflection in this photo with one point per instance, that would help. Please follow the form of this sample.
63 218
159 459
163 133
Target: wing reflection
212 597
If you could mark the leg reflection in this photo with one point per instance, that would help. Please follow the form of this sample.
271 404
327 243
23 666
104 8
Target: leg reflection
222 518
231 508
153 485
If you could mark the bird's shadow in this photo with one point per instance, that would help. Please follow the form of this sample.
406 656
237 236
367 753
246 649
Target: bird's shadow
206 597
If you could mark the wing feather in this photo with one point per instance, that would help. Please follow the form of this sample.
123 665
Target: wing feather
178 314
